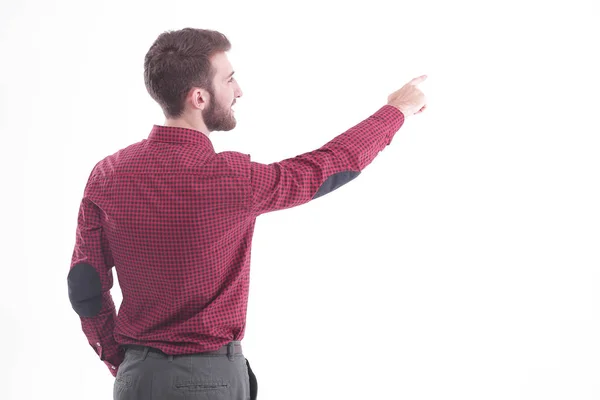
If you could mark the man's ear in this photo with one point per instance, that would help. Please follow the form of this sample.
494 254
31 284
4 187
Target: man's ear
200 98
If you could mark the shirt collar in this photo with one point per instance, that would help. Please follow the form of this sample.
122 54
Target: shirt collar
174 134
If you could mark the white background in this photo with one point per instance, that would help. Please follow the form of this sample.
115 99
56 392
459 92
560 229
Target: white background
463 263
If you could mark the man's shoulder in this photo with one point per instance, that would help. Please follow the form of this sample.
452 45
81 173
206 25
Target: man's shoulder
137 155
123 158
234 157
236 162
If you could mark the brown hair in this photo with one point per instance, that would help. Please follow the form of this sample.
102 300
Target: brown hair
178 61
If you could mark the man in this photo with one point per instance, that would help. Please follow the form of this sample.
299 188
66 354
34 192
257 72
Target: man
176 221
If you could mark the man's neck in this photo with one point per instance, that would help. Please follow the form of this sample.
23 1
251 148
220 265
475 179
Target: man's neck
183 123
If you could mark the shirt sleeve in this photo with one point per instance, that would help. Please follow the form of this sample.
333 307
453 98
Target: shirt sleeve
90 280
298 180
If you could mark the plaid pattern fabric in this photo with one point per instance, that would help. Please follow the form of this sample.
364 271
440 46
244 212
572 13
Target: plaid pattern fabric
176 220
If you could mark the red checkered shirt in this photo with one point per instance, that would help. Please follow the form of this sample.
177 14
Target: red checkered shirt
176 221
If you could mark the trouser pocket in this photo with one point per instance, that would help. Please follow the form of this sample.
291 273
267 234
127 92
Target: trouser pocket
253 382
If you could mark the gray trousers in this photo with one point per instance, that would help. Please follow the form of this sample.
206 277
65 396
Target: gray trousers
149 374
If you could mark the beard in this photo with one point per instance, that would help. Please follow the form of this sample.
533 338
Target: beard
218 117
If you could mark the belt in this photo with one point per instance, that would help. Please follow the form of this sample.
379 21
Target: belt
229 349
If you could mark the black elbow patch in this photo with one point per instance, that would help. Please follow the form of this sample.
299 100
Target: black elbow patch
85 290
335 181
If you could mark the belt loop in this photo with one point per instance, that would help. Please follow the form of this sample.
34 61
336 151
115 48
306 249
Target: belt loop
170 357
146 350
230 351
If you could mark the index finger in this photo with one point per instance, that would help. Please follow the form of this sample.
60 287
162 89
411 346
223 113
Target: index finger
418 80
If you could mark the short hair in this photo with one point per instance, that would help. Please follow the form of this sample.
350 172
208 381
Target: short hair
179 60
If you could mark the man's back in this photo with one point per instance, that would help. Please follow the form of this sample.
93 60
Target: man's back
177 226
